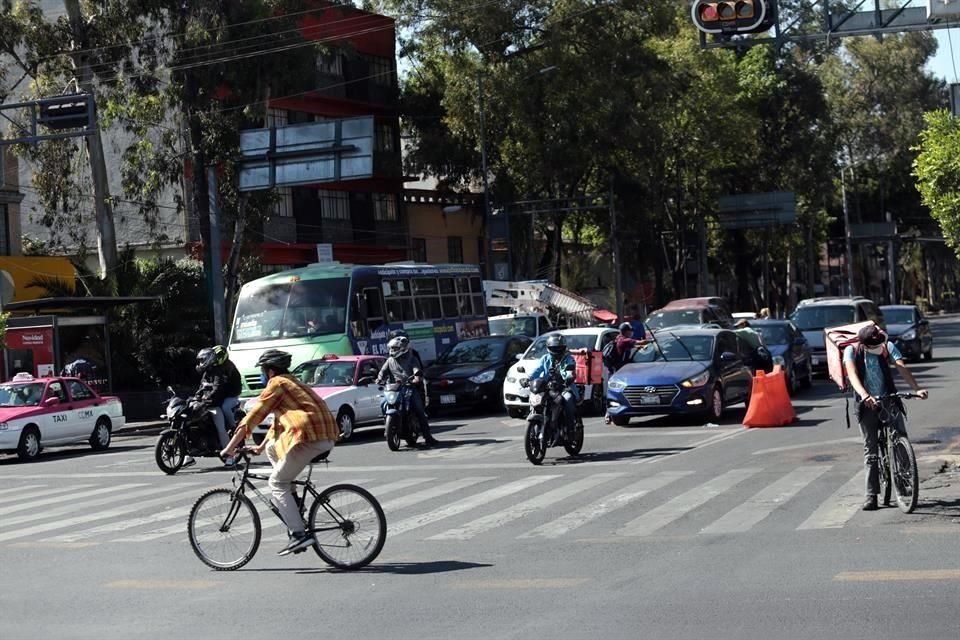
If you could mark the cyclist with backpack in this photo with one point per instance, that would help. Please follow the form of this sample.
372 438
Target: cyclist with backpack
867 365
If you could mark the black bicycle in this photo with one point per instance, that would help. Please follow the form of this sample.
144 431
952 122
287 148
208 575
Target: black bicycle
898 464
346 520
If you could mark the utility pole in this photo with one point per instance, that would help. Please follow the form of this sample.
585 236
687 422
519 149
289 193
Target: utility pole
848 236
215 277
617 276
488 244
106 234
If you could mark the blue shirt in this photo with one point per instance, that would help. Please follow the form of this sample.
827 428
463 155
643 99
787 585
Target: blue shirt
639 331
547 362
874 381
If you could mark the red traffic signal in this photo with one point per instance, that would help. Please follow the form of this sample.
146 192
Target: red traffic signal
733 16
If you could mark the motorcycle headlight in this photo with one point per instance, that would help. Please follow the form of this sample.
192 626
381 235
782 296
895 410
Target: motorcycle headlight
391 397
778 360
484 376
698 380
536 399
909 335
617 385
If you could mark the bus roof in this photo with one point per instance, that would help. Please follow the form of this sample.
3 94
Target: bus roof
321 270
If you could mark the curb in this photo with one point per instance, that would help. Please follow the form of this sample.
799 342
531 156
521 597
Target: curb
141 428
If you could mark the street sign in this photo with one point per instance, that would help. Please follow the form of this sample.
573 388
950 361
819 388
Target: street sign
309 153
873 231
943 9
324 252
757 210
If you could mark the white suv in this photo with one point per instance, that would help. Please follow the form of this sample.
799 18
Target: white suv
515 397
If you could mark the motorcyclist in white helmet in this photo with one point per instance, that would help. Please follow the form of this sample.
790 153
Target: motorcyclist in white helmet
399 368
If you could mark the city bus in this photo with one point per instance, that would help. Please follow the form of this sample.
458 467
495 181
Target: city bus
342 309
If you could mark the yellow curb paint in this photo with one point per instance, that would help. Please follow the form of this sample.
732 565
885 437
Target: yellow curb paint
53 545
160 584
896 576
523 583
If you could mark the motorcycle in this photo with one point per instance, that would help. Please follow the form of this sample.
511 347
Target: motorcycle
400 420
191 433
546 425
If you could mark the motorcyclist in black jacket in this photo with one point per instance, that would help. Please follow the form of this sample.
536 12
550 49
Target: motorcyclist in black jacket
220 388
399 368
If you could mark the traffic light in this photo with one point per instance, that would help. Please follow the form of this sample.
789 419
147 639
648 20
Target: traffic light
733 16
74 111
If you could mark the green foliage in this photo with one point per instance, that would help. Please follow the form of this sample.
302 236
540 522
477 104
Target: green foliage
937 169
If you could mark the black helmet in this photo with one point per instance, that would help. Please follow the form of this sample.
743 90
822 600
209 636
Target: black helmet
211 356
625 326
275 359
556 345
397 333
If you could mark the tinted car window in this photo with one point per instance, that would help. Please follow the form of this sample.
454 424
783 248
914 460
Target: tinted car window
819 317
78 390
899 316
674 317
774 334
670 347
727 342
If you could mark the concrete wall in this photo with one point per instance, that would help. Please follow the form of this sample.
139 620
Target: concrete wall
429 222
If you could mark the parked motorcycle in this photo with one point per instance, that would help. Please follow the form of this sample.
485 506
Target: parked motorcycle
546 426
191 433
400 420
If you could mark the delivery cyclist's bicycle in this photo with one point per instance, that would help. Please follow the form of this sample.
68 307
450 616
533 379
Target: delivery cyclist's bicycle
346 520
898 464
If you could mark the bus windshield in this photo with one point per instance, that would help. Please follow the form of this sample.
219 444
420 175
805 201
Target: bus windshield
292 310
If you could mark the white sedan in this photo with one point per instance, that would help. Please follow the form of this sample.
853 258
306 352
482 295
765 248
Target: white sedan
515 396
346 384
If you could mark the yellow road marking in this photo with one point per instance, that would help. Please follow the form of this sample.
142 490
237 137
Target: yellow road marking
523 583
161 584
53 545
894 576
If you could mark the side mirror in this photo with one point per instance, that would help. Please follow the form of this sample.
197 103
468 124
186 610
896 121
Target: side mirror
521 370
729 356
519 356
365 380
49 402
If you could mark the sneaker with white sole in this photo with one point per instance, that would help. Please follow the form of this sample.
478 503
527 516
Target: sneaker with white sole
298 543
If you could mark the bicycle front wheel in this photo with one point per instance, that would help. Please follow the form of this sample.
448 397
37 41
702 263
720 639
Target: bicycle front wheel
224 529
349 526
903 472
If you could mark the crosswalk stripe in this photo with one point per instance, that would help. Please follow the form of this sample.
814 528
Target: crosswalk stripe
30 495
611 502
24 488
122 525
428 494
85 505
70 496
766 500
466 504
61 523
838 508
679 506
521 509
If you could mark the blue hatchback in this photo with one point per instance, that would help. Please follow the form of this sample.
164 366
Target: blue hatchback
685 371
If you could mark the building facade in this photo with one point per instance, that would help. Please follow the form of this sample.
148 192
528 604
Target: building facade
10 199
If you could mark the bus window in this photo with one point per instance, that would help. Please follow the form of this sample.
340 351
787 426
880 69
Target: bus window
464 307
426 299
448 297
397 295
478 297
370 316
288 310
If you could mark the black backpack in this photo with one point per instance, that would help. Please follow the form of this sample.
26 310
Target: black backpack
611 357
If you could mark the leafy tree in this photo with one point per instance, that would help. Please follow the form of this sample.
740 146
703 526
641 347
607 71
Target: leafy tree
937 170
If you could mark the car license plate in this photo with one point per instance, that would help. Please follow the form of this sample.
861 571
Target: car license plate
649 399
814 361
448 399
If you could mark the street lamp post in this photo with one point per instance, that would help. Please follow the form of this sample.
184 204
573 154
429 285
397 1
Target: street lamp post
848 235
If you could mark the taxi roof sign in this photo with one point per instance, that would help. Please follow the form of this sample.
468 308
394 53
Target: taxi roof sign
23 376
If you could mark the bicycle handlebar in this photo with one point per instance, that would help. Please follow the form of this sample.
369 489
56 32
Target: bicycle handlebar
899 394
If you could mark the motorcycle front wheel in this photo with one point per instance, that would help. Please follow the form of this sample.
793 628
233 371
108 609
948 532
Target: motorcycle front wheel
392 431
575 442
533 443
170 452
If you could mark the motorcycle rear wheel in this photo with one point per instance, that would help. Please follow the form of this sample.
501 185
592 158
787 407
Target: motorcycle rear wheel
575 444
392 432
170 453
533 444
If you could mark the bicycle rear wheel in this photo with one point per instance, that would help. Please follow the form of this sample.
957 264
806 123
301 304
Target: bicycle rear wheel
903 471
883 466
224 529
349 526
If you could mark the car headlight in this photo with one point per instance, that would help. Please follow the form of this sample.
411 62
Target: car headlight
909 335
698 380
4 426
617 385
484 376
778 360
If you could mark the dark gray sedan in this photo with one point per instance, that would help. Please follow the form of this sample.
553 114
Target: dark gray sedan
909 330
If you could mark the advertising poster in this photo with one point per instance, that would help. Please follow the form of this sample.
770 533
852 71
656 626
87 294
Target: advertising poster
422 339
472 329
30 350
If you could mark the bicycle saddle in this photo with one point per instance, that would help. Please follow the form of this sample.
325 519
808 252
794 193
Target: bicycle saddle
320 458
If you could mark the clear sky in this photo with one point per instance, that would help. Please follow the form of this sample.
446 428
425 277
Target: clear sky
943 64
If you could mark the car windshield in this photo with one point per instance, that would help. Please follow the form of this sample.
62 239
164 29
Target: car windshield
672 348
326 374
774 334
898 316
819 317
21 395
514 327
292 310
575 341
473 351
673 317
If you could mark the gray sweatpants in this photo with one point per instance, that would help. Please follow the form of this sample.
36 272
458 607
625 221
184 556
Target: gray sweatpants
285 472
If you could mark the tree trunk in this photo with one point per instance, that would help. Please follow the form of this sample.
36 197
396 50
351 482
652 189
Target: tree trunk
233 261
103 211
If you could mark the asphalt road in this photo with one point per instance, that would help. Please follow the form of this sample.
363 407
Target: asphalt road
665 529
